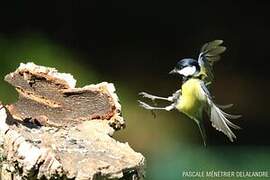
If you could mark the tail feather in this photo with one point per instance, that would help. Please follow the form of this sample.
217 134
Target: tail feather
202 131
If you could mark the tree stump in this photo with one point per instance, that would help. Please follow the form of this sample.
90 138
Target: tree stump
58 131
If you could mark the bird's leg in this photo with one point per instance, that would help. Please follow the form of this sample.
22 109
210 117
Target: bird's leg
148 107
153 97
202 131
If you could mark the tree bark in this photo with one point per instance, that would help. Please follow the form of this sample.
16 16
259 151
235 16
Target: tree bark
57 131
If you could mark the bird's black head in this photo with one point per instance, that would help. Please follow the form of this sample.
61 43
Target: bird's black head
186 67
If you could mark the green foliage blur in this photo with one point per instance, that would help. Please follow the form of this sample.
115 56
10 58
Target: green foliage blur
170 142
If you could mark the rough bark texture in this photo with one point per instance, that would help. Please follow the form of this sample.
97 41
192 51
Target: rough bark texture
50 98
57 131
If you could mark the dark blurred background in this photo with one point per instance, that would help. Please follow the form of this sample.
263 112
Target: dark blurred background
134 44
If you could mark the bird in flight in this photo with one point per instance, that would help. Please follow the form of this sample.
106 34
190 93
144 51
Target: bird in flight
194 98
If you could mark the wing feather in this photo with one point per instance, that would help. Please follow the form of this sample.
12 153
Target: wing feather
211 44
224 106
218 117
209 54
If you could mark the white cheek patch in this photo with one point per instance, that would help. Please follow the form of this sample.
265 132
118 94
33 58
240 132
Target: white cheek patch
187 71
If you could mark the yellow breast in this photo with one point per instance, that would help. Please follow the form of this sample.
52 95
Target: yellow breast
192 99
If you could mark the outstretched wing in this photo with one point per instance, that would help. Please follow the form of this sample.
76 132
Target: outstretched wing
210 53
219 118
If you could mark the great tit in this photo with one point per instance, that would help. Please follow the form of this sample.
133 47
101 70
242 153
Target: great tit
194 97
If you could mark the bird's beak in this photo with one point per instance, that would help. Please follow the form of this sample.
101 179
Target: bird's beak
173 71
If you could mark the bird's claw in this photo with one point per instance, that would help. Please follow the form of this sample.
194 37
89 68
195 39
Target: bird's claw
146 95
148 107
145 106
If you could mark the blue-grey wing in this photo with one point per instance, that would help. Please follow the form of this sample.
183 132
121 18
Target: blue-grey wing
209 54
219 118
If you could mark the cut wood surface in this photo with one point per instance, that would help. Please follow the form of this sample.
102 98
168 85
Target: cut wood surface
58 131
